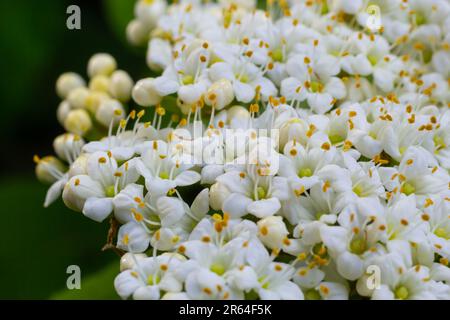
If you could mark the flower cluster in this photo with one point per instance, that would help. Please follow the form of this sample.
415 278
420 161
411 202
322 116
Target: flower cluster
296 152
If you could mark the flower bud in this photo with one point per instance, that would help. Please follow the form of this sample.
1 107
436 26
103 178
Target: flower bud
362 286
67 146
217 195
127 261
220 94
94 99
99 83
62 111
144 93
79 166
238 113
137 33
77 97
110 110
101 63
272 231
67 82
148 12
78 122
121 85
48 168
71 200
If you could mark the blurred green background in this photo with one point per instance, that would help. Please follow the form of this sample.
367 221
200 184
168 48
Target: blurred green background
37 245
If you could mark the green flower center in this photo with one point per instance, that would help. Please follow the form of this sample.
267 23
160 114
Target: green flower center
265 284
427 55
325 8
277 55
316 86
358 246
261 192
420 18
408 188
442 233
305 172
164 175
372 59
187 79
217 269
244 78
153 280
335 138
439 142
401 293
358 189
313 294
110 192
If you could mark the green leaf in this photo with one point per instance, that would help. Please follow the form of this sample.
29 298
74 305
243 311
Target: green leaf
97 286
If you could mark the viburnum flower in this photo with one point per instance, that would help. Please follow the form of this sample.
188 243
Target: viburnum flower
254 192
285 153
94 192
149 277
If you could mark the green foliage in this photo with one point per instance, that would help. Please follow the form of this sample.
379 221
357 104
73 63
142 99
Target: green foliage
118 14
39 244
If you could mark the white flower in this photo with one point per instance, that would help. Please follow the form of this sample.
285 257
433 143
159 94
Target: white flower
245 78
125 143
253 192
149 277
186 75
436 213
274 278
272 231
162 172
104 180
313 79
355 240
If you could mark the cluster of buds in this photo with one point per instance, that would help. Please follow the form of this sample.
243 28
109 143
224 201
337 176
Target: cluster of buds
295 152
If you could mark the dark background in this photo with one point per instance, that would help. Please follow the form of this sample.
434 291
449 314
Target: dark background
36 244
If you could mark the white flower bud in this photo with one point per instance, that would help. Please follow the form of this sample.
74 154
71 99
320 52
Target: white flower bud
362 288
272 231
127 261
94 99
47 167
77 97
99 83
62 111
220 94
67 146
67 82
101 63
144 93
237 113
79 166
78 122
217 195
71 200
110 110
148 12
184 107
121 85
137 33
292 129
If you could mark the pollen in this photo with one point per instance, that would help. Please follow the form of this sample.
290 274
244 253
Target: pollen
264 231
